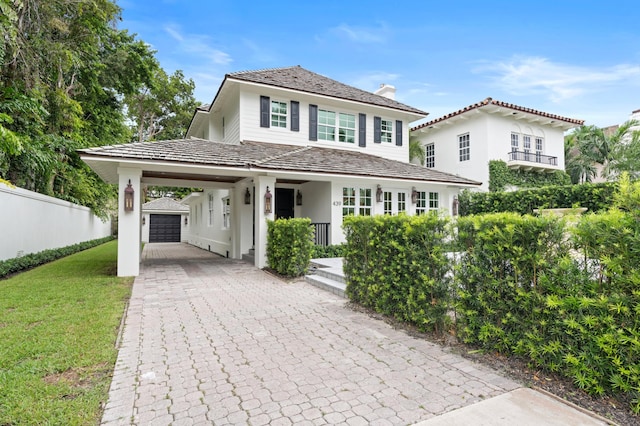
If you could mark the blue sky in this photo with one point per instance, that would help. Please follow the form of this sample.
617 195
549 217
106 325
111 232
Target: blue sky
579 59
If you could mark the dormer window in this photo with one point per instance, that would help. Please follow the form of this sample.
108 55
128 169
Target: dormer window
278 114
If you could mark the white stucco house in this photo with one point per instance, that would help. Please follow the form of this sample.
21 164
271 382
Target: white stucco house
463 142
277 143
165 220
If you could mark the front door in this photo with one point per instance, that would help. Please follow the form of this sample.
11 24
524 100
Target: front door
284 203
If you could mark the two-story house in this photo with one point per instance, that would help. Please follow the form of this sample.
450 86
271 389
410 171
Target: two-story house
463 142
279 143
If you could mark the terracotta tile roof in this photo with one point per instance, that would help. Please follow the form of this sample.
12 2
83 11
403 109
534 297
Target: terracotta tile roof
490 101
255 156
165 203
298 78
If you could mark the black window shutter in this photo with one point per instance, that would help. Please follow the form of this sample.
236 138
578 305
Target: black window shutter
313 122
362 129
377 125
398 133
295 116
265 111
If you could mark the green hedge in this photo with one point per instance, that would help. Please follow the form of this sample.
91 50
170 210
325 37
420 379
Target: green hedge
28 261
397 265
594 196
320 252
501 176
289 246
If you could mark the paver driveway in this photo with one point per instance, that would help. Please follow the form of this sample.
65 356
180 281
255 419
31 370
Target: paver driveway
209 340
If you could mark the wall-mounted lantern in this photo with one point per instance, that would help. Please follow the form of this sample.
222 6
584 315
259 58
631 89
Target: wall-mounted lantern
128 197
144 220
454 207
247 197
267 201
379 194
299 198
414 195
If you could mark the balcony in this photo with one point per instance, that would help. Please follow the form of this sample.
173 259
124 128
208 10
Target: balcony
527 160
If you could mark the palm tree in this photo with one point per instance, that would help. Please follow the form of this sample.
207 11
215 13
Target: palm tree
624 151
416 151
584 149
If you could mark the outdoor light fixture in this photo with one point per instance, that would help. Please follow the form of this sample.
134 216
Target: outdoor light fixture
128 197
144 220
379 194
454 207
267 201
186 220
299 198
414 195
247 197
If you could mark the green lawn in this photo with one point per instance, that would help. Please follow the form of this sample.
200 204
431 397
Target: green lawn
58 326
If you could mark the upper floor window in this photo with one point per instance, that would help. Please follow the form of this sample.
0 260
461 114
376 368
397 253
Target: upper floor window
464 147
347 128
539 144
430 155
326 125
515 143
386 130
526 142
421 203
210 199
278 114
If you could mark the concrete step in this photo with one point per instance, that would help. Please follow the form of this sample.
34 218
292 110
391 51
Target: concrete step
249 257
327 284
331 274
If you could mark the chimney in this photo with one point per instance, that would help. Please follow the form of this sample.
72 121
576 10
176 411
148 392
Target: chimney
387 91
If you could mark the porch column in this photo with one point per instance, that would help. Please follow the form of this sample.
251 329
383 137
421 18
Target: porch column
129 224
261 183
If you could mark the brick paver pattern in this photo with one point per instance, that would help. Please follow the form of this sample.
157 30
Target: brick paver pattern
215 341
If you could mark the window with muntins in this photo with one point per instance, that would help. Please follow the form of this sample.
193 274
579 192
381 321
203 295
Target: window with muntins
387 202
386 130
347 128
348 202
365 202
402 202
539 144
433 201
226 213
421 203
526 142
278 114
515 143
326 125
430 155
210 210
465 147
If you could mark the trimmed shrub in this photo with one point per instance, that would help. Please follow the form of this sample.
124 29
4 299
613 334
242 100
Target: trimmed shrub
398 266
28 261
289 246
594 196
501 176
320 252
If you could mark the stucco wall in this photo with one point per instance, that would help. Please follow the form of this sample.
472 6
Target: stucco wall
32 222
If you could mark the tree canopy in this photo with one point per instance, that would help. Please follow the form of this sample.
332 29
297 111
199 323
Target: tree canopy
66 74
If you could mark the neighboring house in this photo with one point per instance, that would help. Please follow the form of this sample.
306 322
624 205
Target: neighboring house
165 220
279 143
463 142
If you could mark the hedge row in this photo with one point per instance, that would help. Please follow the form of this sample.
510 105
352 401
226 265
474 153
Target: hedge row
594 196
565 297
28 261
501 176
320 252
289 245
398 266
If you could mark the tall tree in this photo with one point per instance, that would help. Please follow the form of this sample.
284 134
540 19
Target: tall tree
585 149
624 155
416 151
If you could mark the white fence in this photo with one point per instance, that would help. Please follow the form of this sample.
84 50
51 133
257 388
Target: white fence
32 222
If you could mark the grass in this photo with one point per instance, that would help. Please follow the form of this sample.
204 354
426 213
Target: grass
58 326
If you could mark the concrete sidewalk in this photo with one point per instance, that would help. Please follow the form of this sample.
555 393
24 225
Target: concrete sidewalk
209 340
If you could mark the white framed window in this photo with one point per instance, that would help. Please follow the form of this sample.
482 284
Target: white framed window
387 202
421 203
539 145
434 203
430 155
226 213
326 125
210 198
515 142
348 201
526 143
365 202
278 114
402 202
346 128
386 131
464 145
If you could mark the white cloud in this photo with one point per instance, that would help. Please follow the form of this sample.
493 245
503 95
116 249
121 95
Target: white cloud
364 35
199 45
372 81
557 81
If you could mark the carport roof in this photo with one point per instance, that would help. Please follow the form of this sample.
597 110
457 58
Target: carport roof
253 157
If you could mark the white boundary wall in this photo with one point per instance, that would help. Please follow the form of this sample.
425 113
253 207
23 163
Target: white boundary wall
32 222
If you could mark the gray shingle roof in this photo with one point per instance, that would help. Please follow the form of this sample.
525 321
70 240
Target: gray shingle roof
165 203
257 156
298 78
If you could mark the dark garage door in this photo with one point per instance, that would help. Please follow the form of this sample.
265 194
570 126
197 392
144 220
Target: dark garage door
164 228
